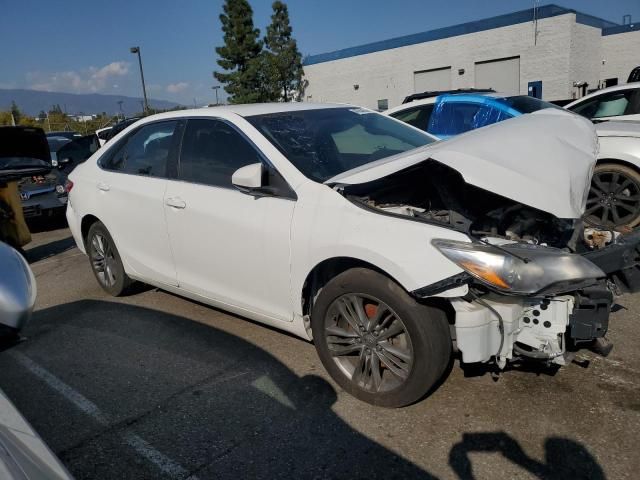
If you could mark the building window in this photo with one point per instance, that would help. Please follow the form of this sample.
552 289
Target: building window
383 104
610 82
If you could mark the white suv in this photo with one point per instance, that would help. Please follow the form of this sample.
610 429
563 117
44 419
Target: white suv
358 231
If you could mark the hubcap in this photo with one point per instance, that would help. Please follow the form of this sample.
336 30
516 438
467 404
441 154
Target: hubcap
103 260
613 201
368 342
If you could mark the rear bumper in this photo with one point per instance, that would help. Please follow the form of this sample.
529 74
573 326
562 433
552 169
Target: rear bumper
74 225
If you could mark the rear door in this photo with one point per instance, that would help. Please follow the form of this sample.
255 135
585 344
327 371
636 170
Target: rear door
132 186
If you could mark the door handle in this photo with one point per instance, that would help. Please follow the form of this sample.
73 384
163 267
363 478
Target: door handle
176 202
103 186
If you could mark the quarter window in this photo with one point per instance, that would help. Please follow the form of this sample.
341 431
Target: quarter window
212 151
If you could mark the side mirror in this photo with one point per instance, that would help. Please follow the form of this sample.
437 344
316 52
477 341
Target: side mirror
248 178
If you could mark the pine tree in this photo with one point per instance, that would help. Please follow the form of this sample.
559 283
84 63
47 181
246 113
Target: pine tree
283 58
240 54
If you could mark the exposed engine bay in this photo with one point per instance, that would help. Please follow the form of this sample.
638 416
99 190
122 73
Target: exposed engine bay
503 323
435 193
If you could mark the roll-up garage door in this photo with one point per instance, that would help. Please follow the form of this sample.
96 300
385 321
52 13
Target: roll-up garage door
429 80
502 75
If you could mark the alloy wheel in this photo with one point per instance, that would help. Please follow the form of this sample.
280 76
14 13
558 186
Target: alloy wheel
614 199
103 260
369 342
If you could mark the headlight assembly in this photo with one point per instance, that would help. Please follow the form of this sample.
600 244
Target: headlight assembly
517 267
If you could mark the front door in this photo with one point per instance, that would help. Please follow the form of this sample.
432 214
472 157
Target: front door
229 246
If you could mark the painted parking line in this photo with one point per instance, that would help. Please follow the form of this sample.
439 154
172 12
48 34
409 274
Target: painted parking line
141 446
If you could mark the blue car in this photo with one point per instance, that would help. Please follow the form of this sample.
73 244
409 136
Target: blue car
448 114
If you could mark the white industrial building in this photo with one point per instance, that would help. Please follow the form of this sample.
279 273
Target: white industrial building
548 52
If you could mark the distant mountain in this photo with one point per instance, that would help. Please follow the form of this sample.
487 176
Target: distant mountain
32 101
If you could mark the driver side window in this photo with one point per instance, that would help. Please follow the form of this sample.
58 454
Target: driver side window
212 151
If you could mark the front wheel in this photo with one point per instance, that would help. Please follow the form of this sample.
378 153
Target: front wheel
376 341
614 197
105 261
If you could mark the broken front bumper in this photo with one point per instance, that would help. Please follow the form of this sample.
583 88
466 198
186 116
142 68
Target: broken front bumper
542 328
620 261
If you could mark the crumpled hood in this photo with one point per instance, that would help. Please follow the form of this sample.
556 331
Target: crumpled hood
544 160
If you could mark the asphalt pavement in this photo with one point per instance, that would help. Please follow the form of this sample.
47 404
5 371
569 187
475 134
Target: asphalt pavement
156 386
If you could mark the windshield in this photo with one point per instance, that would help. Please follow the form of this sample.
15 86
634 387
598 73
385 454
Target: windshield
323 143
527 104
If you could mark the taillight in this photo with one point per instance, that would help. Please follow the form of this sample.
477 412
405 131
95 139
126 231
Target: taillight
68 185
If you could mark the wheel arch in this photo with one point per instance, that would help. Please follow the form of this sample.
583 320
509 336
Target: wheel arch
619 161
327 269
85 225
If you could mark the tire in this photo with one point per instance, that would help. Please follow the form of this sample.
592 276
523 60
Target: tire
614 197
105 261
350 356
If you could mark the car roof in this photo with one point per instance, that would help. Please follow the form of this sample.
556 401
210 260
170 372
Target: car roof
245 110
615 88
430 100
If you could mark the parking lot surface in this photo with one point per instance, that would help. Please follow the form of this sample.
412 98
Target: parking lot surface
156 386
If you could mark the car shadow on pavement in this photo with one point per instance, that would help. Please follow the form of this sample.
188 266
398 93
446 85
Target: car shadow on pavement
50 249
564 458
213 403
47 223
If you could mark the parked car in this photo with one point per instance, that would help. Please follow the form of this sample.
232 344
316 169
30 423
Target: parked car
106 134
621 102
23 454
450 113
23 153
46 195
347 227
69 134
614 200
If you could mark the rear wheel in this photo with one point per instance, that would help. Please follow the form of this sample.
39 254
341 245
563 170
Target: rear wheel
614 197
105 261
376 341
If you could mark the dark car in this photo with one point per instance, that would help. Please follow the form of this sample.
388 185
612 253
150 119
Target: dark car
23 153
47 194
107 134
64 133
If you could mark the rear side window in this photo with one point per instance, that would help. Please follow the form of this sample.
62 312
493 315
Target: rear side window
612 104
454 118
145 151
212 151
418 117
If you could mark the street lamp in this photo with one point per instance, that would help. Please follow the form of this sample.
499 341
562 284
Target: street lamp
216 88
136 50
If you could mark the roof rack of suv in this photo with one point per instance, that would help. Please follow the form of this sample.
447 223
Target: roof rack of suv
435 93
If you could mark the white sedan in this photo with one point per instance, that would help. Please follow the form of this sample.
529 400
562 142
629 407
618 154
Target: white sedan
360 233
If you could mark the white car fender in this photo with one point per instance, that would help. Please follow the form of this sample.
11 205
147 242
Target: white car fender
340 229
625 149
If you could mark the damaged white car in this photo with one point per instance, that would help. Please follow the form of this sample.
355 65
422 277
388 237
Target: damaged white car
361 233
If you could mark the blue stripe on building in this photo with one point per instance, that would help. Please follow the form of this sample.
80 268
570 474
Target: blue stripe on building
523 16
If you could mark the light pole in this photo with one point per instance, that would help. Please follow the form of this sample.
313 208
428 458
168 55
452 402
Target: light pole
216 88
136 50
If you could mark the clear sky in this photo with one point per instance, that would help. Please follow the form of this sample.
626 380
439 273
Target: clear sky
82 46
